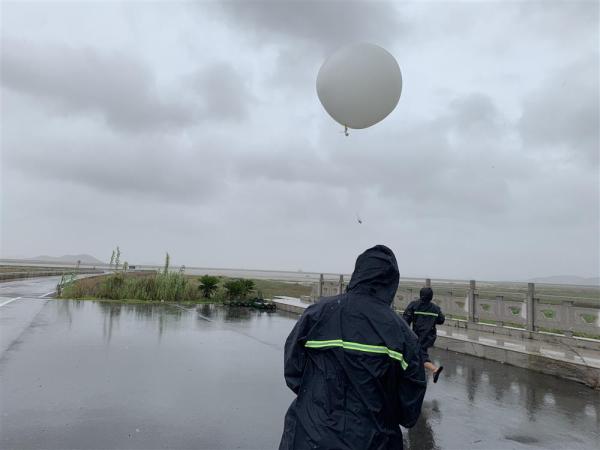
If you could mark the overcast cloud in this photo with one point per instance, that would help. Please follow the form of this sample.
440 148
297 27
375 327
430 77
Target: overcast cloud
195 128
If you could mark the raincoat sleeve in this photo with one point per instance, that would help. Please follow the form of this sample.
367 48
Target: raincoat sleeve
412 389
440 318
408 314
294 358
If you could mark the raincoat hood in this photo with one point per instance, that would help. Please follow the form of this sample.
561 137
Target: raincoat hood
376 274
426 294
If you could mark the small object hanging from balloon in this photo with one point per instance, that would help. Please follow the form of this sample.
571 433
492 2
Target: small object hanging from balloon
359 85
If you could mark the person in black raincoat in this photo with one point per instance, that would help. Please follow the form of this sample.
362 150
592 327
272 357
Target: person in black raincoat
424 315
355 366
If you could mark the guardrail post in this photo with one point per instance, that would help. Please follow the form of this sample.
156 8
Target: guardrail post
320 285
341 285
565 317
530 306
472 296
428 282
499 303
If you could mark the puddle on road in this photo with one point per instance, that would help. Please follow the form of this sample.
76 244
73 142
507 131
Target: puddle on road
521 439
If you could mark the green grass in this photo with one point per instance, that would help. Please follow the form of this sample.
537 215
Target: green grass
271 288
586 335
453 316
18 269
13 269
487 322
549 313
588 318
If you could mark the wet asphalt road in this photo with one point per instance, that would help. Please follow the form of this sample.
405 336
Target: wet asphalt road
28 287
99 375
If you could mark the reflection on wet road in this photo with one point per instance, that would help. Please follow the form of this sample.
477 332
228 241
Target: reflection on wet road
101 375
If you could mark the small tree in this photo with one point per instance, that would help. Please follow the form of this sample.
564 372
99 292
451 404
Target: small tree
118 258
125 266
112 260
208 285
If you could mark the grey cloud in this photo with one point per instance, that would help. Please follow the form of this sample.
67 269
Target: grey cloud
115 85
555 22
564 112
120 88
224 94
475 111
327 24
157 169
303 32
451 165
561 20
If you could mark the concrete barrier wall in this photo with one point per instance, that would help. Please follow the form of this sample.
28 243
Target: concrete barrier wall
570 370
565 358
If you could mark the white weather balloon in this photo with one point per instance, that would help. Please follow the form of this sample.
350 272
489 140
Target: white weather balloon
359 85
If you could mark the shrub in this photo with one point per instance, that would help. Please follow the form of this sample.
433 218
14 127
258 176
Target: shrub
247 287
238 289
208 285
234 289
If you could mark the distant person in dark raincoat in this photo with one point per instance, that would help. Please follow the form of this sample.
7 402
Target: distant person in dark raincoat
424 315
355 366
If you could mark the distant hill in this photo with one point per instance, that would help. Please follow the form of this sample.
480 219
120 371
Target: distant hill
85 259
568 279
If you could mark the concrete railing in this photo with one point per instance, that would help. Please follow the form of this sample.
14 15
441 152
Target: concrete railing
519 308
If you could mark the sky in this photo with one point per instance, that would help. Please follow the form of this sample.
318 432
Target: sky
195 128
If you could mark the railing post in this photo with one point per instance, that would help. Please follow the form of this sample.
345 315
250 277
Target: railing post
428 282
341 285
320 285
472 300
498 308
567 325
530 306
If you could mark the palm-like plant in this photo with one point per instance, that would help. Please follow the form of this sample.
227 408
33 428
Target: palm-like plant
208 285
